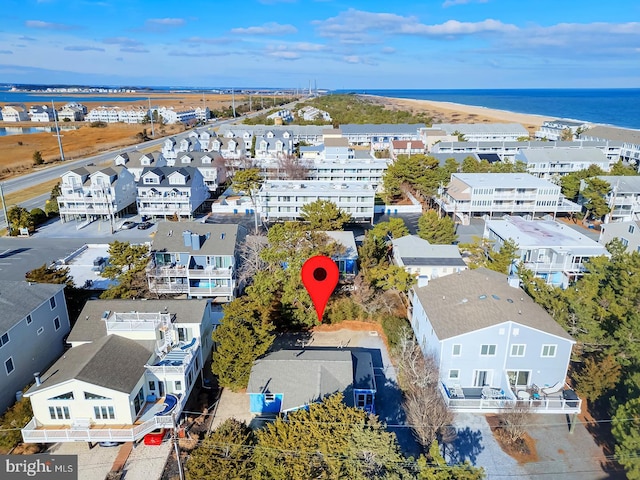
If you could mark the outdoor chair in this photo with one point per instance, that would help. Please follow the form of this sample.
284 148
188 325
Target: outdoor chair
553 389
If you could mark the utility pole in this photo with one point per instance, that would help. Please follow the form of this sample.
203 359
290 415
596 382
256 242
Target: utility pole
153 133
175 444
233 102
250 107
262 99
55 119
4 208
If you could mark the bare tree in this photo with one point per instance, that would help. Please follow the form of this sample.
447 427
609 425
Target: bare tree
291 167
426 411
514 421
250 260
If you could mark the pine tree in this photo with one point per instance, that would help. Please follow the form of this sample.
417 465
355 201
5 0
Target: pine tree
436 230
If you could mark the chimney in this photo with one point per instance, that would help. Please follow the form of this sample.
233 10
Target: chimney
186 236
195 241
36 375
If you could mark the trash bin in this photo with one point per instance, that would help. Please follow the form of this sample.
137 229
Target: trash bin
571 397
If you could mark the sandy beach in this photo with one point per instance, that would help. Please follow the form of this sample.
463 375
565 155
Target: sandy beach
446 112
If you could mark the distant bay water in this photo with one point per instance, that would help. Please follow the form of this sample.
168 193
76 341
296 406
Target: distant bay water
617 107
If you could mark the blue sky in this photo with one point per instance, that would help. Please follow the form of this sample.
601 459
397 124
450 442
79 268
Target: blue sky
355 45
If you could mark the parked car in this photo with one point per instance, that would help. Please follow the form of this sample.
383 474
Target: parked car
109 444
128 225
145 225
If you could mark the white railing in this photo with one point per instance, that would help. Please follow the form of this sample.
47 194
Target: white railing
550 404
32 434
211 273
136 321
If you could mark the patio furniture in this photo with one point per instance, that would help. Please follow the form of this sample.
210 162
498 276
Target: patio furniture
523 395
552 390
488 392
456 391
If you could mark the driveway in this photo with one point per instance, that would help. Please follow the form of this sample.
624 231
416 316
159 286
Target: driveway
560 454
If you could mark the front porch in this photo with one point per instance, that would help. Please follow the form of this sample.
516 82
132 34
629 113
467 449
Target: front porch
474 400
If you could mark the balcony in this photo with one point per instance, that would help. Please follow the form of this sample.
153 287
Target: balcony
211 272
147 421
472 400
136 321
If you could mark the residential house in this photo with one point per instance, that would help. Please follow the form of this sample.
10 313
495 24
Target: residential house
309 114
623 197
273 146
281 117
109 114
33 324
41 113
310 134
72 112
406 147
427 261
229 148
195 258
280 200
552 250
380 136
478 194
288 380
347 261
92 192
170 191
485 132
209 164
135 162
15 113
433 136
555 129
630 139
131 369
552 163
186 115
628 232
493 345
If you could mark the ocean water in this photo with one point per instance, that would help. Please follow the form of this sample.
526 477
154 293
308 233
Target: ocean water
618 107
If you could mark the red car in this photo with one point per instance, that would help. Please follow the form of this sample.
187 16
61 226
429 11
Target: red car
156 437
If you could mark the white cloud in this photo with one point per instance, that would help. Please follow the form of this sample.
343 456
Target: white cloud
271 28
6 52
353 22
48 25
211 41
82 48
388 50
128 49
284 54
124 41
170 22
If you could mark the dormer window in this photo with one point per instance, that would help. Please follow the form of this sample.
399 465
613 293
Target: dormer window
150 180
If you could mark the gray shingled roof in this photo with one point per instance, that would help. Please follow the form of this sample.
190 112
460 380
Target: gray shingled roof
613 133
112 362
309 375
623 183
164 172
222 239
413 247
90 327
454 304
562 155
19 299
381 128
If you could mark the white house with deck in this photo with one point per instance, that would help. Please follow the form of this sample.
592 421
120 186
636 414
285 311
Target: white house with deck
131 369
552 250
494 346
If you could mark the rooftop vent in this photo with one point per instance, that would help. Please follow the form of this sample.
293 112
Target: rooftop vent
105 314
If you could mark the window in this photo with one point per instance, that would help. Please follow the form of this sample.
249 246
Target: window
8 365
4 339
548 351
104 413
624 241
138 401
152 385
454 374
29 320
94 396
64 396
59 413
457 350
56 323
631 228
40 330
178 386
487 350
52 302
517 350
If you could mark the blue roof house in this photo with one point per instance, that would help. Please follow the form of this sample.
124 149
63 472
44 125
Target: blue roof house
288 380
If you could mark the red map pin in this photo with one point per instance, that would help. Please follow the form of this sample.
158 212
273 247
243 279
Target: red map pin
320 276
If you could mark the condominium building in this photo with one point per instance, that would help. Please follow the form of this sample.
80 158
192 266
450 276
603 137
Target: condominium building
485 132
280 200
478 194
550 163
